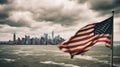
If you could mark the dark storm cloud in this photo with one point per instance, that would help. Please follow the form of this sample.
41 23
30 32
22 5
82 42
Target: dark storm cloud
64 12
10 23
105 6
4 9
3 1
3 15
57 17
2 22
19 24
61 20
81 1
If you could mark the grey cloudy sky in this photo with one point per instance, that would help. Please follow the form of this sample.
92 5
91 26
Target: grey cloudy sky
65 17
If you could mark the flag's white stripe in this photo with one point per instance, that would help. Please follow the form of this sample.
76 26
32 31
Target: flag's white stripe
103 35
107 45
81 37
75 48
87 31
88 48
101 38
82 42
90 26
104 40
64 49
100 43
81 47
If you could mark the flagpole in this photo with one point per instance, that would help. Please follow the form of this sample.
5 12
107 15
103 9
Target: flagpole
112 44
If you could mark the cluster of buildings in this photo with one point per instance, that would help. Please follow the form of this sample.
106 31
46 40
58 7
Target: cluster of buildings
45 39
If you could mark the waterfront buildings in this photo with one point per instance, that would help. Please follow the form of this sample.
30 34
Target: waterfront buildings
45 39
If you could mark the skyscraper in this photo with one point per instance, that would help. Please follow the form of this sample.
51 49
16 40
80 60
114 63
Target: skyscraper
14 38
52 34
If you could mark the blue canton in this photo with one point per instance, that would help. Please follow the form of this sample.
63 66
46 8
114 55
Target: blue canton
104 27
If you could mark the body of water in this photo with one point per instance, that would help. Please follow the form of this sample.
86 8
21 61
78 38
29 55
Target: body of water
51 56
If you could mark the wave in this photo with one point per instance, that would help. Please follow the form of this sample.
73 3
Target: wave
0 50
95 59
91 58
62 64
26 53
8 60
116 56
85 57
52 51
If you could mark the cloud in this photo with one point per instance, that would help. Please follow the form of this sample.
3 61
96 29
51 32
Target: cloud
3 1
20 18
81 1
3 16
65 17
62 12
16 22
105 6
3 11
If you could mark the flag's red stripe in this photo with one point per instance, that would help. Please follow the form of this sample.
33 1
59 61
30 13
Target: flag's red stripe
108 42
80 50
88 25
76 45
104 41
104 36
81 44
73 46
76 50
88 33
87 42
86 38
78 40
90 45
109 46
84 29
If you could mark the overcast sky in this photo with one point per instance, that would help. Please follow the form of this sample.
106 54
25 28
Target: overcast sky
65 17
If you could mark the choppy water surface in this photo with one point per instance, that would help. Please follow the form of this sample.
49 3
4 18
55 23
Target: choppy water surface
51 56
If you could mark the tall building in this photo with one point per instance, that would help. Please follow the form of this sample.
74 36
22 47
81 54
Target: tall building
14 38
52 34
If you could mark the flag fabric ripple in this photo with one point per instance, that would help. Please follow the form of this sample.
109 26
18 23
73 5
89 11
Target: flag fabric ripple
88 36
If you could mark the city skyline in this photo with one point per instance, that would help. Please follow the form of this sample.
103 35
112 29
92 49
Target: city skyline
45 39
65 17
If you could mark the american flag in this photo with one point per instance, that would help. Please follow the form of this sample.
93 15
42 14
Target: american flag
88 36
